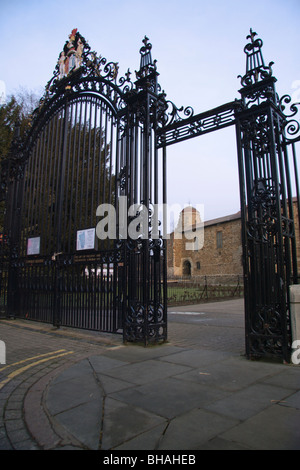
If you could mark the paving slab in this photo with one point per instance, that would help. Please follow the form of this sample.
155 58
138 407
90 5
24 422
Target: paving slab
217 443
275 428
101 363
231 374
83 422
190 430
292 401
169 397
249 401
123 422
196 358
288 377
147 371
74 387
137 353
148 440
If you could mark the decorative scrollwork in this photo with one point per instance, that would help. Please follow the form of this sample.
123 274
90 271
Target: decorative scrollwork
266 331
134 323
260 94
263 194
256 134
292 130
155 313
263 223
285 100
262 228
175 128
291 127
288 227
170 113
139 317
267 321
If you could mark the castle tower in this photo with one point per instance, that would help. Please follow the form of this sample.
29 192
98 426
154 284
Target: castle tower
189 217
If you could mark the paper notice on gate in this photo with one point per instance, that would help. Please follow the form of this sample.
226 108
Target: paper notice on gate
86 239
33 246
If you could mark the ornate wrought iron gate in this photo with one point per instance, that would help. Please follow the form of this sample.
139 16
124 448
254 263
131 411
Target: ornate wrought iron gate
270 261
98 141
265 132
90 149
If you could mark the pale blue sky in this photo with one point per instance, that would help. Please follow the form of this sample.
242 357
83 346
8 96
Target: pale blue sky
199 50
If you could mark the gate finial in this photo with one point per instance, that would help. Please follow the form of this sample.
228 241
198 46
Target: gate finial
256 70
146 64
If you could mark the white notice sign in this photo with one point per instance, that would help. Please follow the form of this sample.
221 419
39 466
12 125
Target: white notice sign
33 246
86 239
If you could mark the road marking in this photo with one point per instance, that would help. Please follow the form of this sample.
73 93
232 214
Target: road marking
31 358
23 369
187 313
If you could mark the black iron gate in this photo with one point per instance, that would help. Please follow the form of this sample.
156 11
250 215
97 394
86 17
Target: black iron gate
97 148
86 170
266 135
270 262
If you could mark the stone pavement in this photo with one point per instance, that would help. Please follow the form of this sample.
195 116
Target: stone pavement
72 389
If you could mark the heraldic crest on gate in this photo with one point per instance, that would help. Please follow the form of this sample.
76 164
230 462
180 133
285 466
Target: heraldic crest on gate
84 241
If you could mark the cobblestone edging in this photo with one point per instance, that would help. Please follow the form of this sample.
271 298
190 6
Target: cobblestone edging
24 423
20 430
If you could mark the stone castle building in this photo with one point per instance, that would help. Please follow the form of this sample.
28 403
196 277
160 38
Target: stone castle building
218 256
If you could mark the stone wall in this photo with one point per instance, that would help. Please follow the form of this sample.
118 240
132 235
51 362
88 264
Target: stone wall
220 258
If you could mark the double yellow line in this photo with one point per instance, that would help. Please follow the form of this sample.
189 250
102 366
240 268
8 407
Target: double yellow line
41 358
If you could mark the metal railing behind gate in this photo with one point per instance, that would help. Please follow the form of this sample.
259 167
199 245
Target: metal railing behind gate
81 294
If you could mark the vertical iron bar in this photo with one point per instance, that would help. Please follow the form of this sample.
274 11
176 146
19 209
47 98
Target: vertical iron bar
67 214
49 193
87 202
45 191
165 253
93 208
243 202
61 177
296 180
83 167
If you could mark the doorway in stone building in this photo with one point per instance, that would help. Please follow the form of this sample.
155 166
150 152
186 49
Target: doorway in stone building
186 269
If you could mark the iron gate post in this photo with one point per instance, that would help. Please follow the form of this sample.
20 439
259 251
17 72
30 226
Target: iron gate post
145 311
267 222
